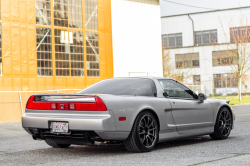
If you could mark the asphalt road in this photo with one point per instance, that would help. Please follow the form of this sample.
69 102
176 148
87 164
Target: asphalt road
18 148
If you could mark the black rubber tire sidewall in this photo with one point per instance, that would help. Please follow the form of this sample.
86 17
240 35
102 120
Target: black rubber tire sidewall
217 135
133 143
55 145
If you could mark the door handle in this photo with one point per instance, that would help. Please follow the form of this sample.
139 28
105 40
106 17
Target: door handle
173 102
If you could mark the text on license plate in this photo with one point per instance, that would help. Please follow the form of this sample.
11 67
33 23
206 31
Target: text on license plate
60 127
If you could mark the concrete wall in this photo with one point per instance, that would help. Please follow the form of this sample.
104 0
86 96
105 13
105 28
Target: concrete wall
136 32
220 20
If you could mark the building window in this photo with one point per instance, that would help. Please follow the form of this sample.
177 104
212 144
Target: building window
197 37
213 36
205 37
196 79
179 39
224 58
69 53
92 47
44 52
220 80
1 66
240 34
43 12
60 13
190 60
172 40
91 22
63 9
164 41
62 40
76 54
75 13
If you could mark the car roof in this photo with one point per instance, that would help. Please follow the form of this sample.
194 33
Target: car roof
148 77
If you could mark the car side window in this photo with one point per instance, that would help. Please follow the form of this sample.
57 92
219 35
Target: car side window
176 89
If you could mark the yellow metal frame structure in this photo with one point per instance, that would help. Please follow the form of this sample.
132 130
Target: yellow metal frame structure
19 58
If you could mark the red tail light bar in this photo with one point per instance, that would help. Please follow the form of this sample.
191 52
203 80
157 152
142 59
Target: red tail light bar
98 105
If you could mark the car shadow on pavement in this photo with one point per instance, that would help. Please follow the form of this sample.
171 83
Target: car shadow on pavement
187 141
183 142
108 150
120 149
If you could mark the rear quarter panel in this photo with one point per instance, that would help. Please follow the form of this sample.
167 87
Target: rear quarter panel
131 106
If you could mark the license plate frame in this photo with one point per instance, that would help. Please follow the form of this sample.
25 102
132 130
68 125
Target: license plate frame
59 127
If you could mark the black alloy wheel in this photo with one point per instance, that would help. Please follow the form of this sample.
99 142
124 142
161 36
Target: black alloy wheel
223 124
147 131
144 134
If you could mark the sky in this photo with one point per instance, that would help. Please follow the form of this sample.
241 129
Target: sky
168 8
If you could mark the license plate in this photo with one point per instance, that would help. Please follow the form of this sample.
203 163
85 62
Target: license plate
60 127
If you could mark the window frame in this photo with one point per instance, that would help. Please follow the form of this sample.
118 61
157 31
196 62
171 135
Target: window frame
49 52
183 61
46 18
210 38
92 66
222 78
175 39
197 83
72 25
180 85
221 59
246 31
68 18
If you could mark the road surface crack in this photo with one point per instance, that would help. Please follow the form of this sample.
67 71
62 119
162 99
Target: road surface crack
237 155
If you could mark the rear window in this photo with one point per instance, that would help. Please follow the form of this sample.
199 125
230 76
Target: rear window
123 86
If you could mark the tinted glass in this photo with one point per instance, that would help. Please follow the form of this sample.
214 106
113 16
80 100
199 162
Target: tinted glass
176 89
123 86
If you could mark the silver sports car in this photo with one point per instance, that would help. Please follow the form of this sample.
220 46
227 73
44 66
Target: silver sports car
138 112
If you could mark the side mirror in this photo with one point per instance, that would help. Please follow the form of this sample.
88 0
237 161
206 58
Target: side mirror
165 94
202 97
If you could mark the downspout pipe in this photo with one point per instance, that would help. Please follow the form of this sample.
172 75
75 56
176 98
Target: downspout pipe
193 27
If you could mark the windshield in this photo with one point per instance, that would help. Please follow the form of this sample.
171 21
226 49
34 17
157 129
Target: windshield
123 86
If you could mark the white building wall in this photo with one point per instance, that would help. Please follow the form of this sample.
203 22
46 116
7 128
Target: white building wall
220 20
136 31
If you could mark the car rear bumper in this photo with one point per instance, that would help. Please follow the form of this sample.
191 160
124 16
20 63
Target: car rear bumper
102 123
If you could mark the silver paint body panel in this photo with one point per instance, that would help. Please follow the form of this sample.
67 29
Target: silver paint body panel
177 117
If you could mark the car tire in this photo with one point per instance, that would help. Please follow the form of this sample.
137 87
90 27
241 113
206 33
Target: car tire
223 125
55 145
144 134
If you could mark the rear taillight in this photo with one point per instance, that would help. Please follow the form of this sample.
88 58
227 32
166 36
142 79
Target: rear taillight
98 105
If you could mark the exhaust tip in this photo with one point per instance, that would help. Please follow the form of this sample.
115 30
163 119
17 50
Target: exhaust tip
36 138
92 141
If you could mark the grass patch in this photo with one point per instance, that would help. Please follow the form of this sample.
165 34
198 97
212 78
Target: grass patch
234 100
